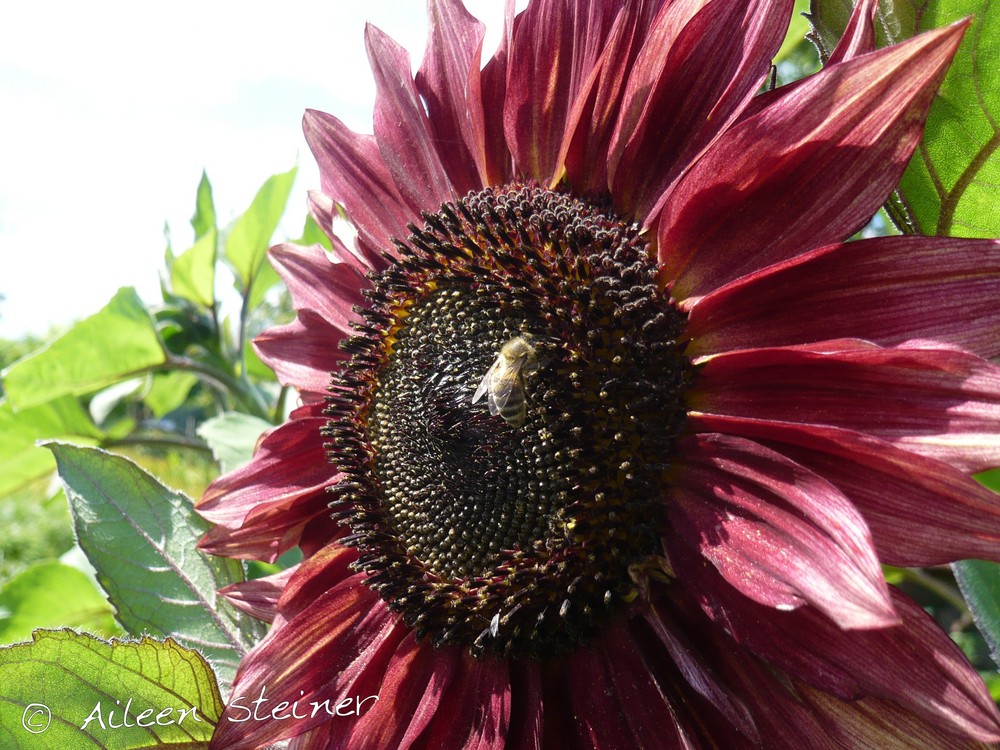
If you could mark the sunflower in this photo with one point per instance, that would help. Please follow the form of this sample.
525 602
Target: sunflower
605 430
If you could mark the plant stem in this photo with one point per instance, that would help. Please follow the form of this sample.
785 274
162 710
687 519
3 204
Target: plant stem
949 593
242 390
166 440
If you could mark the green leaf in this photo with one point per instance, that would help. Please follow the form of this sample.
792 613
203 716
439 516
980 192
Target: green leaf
313 235
232 438
116 343
203 220
192 273
247 243
949 186
265 280
169 391
980 585
50 594
141 537
70 690
796 31
21 460
257 369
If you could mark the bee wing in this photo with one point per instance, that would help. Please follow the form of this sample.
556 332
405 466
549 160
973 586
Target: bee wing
484 385
501 390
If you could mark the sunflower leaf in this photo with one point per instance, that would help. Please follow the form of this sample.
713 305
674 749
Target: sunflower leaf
247 243
980 585
950 184
203 220
109 346
141 537
232 438
192 273
50 594
70 690
169 391
21 461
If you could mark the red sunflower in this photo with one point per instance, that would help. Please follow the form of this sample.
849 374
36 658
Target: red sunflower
605 430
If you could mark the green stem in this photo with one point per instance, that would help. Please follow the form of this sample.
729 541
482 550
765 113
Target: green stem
279 408
242 390
949 593
165 441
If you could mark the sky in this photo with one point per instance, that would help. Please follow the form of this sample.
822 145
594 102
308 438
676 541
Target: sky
109 112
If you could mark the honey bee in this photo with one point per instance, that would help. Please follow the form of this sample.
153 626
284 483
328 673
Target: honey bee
504 382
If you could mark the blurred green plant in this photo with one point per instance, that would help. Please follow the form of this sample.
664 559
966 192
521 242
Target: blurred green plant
151 375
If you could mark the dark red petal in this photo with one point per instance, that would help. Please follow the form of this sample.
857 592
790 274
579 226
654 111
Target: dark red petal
313 576
940 403
615 699
859 36
409 695
807 171
880 724
698 67
777 532
260 508
591 121
527 710
316 283
353 174
886 289
698 674
920 511
259 597
454 44
363 257
555 46
402 129
302 353
795 716
267 533
858 39
475 709
487 120
781 719
915 665
305 660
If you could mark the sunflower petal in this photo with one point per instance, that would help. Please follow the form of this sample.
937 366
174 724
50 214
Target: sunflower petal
676 102
315 283
920 511
591 122
941 686
940 403
302 353
454 43
410 693
260 508
486 95
314 651
259 597
402 129
778 533
807 171
353 174
886 289
556 44
479 724
615 698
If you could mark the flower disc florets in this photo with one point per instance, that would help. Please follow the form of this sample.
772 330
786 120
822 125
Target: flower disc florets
510 530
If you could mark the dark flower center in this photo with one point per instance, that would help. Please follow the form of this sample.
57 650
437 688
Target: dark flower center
506 420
